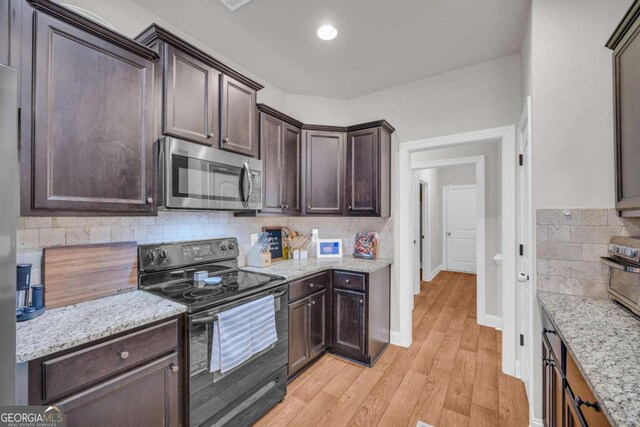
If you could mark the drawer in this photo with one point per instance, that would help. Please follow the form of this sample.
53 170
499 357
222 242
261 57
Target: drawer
84 367
346 280
552 336
594 417
308 285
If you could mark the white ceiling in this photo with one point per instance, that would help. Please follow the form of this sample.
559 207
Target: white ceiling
380 44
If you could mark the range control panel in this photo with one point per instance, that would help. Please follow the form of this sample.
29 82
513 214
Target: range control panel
626 248
172 255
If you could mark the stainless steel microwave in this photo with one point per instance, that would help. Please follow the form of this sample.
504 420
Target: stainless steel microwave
194 176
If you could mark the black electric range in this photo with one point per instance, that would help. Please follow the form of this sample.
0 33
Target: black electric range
168 270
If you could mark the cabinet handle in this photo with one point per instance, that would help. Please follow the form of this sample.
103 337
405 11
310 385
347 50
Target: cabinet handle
308 206
310 285
210 135
548 362
580 402
149 200
308 304
349 207
124 355
174 367
347 281
225 140
286 206
361 301
549 331
313 302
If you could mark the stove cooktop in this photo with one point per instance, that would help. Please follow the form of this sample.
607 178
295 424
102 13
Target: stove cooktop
180 287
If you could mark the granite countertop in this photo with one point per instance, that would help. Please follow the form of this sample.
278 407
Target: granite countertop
604 340
294 269
65 327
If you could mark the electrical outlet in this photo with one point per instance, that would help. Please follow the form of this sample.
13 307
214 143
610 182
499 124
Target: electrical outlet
314 235
254 238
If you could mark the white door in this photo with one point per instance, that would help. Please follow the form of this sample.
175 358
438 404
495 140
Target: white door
461 223
426 254
524 235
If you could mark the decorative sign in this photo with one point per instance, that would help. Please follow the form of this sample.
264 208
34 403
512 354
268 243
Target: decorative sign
276 245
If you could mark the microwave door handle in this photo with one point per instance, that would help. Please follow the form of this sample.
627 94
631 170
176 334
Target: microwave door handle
247 176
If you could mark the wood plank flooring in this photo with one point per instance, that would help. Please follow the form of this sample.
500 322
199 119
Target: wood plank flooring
450 376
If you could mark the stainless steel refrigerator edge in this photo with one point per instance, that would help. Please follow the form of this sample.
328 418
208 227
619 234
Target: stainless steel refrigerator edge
8 189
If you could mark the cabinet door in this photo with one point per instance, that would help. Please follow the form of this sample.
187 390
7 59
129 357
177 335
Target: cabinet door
10 11
363 172
349 322
291 165
552 389
271 141
298 335
325 169
191 109
145 396
239 118
572 417
92 118
317 323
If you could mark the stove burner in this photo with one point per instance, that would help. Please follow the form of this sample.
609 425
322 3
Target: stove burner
202 293
176 287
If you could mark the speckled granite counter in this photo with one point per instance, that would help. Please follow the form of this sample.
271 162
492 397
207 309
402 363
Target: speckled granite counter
604 340
294 269
66 327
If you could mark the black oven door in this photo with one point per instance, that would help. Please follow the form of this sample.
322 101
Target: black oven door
242 395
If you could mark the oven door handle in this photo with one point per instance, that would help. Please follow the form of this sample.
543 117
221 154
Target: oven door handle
279 294
204 320
620 266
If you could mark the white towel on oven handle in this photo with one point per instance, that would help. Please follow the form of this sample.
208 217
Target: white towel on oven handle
241 332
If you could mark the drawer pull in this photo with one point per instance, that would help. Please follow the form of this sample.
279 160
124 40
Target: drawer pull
347 281
124 355
549 331
174 367
580 402
548 362
310 285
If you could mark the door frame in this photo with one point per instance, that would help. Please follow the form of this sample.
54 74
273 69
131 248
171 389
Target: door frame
480 223
427 274
403 230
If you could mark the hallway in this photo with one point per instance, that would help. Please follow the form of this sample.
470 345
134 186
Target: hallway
450 375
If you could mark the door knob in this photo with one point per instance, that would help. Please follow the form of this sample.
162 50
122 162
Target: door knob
523 277
448 233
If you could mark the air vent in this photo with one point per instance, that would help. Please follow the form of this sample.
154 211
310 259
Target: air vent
234 4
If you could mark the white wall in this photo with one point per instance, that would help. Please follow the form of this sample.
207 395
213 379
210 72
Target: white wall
573 102
457 175
493 206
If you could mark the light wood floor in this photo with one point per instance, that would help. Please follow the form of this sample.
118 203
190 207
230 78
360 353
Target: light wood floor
450 376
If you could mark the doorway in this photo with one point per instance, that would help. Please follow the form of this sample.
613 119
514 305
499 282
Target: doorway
505 137
460 228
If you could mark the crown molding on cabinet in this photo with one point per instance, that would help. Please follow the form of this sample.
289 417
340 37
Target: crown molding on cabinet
624 25
156 32
264 108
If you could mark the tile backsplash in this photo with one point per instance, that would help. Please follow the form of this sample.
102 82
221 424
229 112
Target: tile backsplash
36 233
570 243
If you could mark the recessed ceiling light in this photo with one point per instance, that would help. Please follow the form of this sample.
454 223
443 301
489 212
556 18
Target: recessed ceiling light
327 32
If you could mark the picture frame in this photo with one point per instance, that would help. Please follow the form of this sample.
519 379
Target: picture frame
366 245
277 250
329 248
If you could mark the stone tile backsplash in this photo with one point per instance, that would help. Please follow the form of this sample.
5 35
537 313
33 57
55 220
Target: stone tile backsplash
569 248
36 233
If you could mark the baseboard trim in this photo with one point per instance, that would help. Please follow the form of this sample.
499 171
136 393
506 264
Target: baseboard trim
518 370
493 321
536 422
434 273
396 339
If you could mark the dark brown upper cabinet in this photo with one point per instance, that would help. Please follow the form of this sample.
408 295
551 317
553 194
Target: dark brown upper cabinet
239 118
325 155
191 92
625 44
369 171
204 100
87 126
10 32
281 151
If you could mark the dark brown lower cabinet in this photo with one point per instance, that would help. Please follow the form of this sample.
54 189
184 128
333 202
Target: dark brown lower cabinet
307 330
146 396
349 323
552 384
131 379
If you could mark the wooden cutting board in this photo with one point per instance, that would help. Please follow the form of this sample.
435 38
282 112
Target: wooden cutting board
73 274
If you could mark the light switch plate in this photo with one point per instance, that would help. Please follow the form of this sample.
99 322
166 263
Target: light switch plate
314 235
